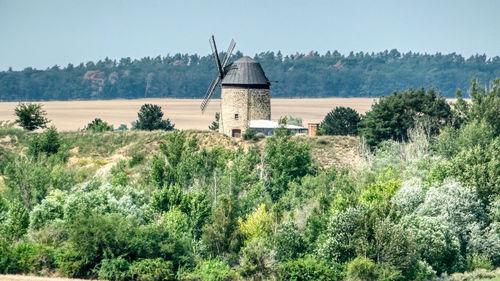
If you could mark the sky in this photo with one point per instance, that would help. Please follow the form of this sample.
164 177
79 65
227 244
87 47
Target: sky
41 34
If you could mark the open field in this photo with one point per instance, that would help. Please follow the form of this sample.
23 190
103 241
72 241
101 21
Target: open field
185 113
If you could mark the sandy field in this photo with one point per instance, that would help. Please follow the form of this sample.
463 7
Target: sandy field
185 113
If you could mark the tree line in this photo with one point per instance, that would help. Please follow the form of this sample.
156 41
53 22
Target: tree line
299 75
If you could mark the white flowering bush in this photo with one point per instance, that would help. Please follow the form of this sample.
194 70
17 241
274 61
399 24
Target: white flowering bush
437 243
409 197
457 204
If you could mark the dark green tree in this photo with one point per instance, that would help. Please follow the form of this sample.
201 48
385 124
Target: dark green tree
341 121
150 118
31 116
222 236
98 126
215 124
48 143
393 115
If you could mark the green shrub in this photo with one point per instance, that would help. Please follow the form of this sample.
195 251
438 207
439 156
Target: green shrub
98 126
288 241
114 269
152 270
122 127
477 261
29 257
48 142
211 270
137 158
309 269
250 135
257 260
68 261
388 272
341 121
361 269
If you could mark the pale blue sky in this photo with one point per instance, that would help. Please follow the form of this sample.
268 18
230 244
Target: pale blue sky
44 33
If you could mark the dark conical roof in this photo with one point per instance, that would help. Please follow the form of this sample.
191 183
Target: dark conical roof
245 71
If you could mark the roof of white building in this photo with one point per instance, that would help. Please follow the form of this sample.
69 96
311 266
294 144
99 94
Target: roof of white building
268 124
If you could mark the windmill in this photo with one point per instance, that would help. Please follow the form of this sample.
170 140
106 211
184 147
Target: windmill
221 69
245 92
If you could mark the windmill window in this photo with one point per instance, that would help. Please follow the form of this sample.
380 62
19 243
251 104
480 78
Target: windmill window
236 116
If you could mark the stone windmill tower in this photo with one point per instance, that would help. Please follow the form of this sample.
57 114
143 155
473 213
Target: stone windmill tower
245 93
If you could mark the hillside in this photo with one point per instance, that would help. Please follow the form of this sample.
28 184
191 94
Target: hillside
299 75
93 153
419 203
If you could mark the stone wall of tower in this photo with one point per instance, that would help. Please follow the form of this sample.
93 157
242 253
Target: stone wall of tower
246 104
259 104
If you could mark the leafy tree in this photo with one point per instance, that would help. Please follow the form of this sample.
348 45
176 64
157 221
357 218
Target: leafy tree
288 242
485 105
347 235
257 260
31 116
27 179
393 115
396 248
436 242
215 124
150 118
49 143
222 236
98 126
286 160
341 121
256 224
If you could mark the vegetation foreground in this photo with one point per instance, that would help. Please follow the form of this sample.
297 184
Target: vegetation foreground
415 197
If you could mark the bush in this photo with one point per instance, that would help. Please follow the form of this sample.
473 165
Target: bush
211 270
31 116
215 124
288 241
309 269
48 143
257 260
152 270
476 262
250 135
361 269
114 269
341 121
150 118
98 126
122 127
28 257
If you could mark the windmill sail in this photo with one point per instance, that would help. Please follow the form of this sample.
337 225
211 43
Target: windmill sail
216 55
228 54
209 94
220 68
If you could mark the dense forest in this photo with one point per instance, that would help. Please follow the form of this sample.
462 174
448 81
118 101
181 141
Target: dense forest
420 201
300 75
